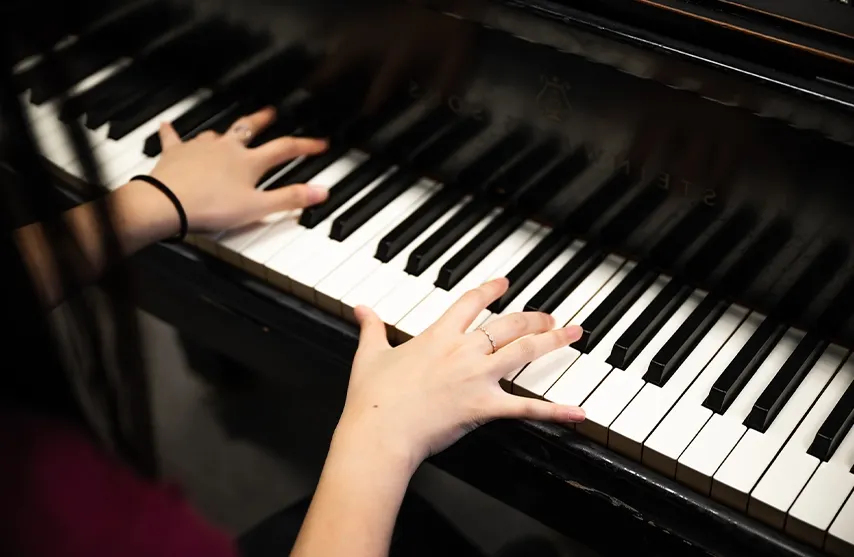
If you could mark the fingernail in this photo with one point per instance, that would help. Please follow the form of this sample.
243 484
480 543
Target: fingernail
317 194
574 414
574 332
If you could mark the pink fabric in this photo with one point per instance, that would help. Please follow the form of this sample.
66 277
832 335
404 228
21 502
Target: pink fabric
62 497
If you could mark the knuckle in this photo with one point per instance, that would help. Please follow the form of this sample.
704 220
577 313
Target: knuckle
527 349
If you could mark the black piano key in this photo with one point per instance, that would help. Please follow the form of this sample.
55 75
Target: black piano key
193 122
353 130
685 339
721 245
273 78
792 373
185 58
344 190
835 427
592 209
742 368
421 134
567 279
592 254
374 202
448 143
518 177
135 114
447 235
415 224
606 314
470 177
784 383
648 323
709 257
479 247
664 253
533 198
578 222
706 314
130 119
94 50
532 265
548 185
503 183
309 167
744 365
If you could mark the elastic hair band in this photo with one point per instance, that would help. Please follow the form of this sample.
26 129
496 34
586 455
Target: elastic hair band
174 199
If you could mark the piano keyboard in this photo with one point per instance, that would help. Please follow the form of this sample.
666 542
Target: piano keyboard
730 402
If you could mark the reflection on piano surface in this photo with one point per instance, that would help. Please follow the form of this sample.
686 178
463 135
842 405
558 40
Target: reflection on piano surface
688 206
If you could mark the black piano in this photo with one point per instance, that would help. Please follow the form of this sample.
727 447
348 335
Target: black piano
676 176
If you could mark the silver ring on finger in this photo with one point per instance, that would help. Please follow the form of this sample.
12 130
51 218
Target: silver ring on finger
488 337
242 132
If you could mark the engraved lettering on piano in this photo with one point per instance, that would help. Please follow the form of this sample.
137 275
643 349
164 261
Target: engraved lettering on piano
685 188
553 100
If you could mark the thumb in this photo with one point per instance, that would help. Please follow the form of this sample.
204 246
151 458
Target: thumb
524 408
297 196
373 334
168 136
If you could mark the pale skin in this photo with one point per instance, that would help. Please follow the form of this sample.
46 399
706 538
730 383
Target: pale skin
403 404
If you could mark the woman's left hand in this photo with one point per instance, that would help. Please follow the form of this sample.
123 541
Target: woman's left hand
414 400
214 176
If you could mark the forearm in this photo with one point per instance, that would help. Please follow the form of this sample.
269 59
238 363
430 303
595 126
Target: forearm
354 509
141 215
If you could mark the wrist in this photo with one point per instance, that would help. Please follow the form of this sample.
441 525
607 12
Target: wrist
356 440
145 213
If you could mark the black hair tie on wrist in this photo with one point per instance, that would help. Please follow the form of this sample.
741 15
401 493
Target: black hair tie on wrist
182 215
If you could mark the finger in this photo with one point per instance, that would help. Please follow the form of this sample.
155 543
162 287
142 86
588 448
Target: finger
524 408
509 328
247 127
289 198
460 315
527 349
283 149
372 335
168 136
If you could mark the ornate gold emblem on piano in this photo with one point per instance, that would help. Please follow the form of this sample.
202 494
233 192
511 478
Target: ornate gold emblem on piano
674 176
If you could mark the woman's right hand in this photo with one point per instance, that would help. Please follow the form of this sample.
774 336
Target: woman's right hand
416 399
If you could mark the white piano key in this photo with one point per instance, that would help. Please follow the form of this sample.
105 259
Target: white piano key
259 245
227 243
639 419
518 303
385 277
823 496
412 290
840 536
585 375
755 451
722 432
779 487
506 268
331 253
439 300
536 380
358 267
688 416
304 248
120 154
621 386
49 130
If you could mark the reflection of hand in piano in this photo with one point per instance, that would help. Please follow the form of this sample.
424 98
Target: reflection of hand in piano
425 394
401 40
214 176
